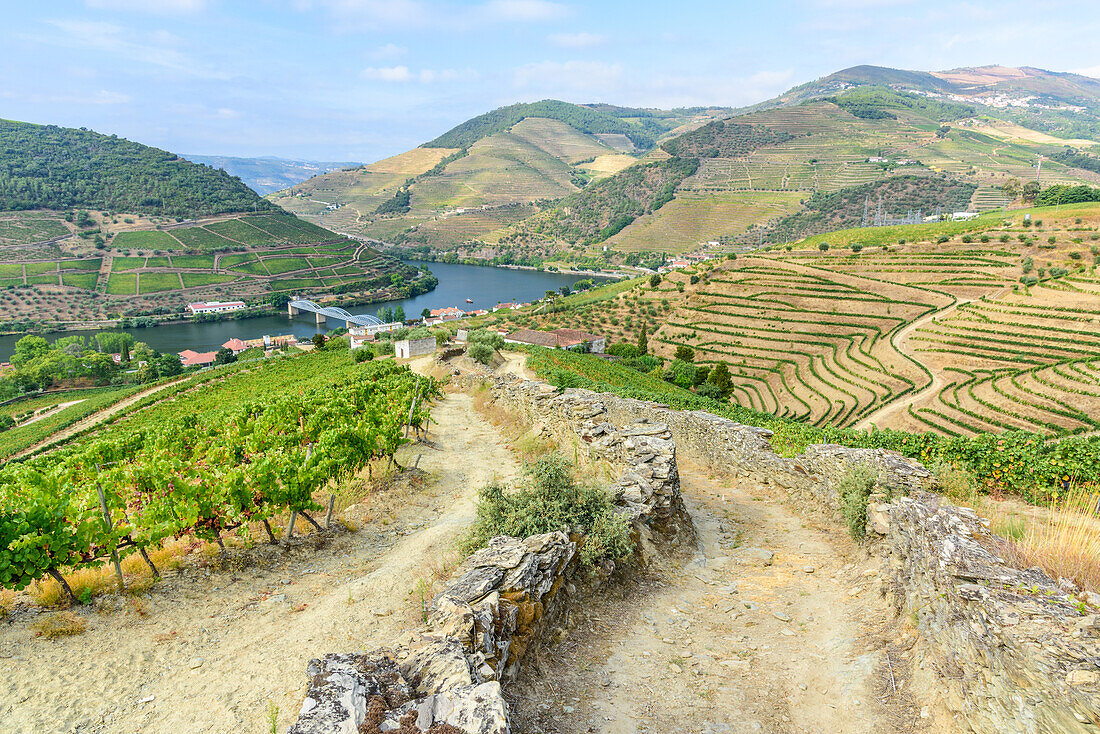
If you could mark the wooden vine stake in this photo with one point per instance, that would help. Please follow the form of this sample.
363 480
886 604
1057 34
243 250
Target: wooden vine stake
107 527
328 517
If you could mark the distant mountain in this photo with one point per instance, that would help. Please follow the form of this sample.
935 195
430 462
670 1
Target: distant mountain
268 174
1058 103
50 167
490 171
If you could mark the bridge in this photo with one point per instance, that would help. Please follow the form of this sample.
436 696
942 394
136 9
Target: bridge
297 306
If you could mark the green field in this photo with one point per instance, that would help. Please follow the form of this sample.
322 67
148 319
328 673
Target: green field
205 262
127 263
154 282
122 284
86 281
289 284
199 238
279 265
93 264
40 268
23 229
190 280
147 240
19 438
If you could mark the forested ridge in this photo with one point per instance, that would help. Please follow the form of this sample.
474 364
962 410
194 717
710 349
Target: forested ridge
51 167
585 119
827 212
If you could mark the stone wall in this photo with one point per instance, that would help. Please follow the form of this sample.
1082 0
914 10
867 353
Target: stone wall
1015 651
503 601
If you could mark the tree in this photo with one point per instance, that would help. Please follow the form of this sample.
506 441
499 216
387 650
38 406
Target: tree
551 295
654 280
226 356
685 353
720 377
168 365
28 349
643 340
125 354
565 290
111 342
1030 191
426 314
1011 189
824 246
318 341
942 131
399 314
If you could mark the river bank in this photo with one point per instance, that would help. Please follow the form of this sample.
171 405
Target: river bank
485 286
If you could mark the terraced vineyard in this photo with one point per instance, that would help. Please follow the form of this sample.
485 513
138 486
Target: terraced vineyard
995 328
133 265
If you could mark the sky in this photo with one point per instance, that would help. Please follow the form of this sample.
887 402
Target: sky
359 80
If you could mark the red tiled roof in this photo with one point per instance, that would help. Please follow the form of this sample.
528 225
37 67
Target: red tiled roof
190 358
236 345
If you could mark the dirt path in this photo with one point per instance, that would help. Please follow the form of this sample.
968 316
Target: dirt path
53 409
94 419
901 343
773 626
210 650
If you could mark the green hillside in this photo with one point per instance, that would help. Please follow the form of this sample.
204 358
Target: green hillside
50 167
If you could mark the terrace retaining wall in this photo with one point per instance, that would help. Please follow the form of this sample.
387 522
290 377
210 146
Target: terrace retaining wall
503 601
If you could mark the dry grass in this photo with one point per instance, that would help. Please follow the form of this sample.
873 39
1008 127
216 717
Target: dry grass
7 602
62 624
1068 544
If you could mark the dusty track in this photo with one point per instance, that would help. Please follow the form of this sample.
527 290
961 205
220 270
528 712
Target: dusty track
727 642
94 419
901 343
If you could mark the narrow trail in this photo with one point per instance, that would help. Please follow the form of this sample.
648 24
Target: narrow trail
901 344
94 419
211 648
53 409
774 625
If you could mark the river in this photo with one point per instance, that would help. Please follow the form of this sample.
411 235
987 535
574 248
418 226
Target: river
486 285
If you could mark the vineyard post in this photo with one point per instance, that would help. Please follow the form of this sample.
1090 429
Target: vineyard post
107 527
412 406
328 517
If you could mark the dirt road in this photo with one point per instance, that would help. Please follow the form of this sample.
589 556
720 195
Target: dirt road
773 625
901 343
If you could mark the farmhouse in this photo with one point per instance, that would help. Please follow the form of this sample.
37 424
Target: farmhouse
214 307
235 345
558 339
191 358
450 313
407 348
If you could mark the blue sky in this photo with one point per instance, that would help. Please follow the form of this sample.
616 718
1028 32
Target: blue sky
362 79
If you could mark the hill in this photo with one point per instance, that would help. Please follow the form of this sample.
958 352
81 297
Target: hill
50 167
268 174
94 227
487 173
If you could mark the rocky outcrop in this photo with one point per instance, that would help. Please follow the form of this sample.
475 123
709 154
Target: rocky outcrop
503 600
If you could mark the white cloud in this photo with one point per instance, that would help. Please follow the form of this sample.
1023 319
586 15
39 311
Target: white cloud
388 52
150 6
583 39
112 39
403 74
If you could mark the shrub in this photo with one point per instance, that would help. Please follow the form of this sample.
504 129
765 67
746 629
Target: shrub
624 350
956 483
549 499
654 280
824 246
685 353
855 489
709 390
362 355
857 247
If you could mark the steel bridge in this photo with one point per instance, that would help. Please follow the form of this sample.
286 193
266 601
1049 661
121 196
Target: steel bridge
297 306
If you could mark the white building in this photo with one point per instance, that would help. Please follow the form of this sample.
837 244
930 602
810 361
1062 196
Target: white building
214 307
407 348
